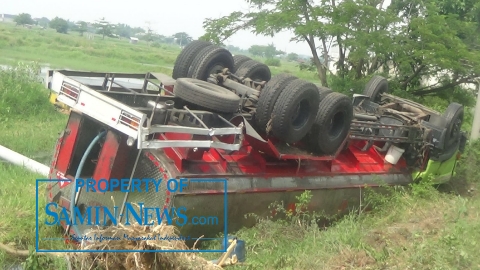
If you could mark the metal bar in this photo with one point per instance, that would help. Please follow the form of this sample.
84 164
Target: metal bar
383 138
126 88
129 186
145 82
365 117
111 83
104 84
413 103
156 144
192 130
196 117
71 73
240 88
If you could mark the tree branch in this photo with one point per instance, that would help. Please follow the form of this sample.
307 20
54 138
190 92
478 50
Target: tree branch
428 90
409 79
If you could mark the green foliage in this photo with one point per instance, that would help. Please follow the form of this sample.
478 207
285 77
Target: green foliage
59 24
268 51
23 19
274 62
182 38
80 27
411 40
292 57
104 28
21 95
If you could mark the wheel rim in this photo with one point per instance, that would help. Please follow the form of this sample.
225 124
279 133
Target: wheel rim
216 68
456 128
300 114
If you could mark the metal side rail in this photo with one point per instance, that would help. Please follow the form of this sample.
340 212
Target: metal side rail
370 131
204 131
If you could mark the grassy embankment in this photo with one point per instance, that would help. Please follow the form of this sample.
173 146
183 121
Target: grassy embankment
420 228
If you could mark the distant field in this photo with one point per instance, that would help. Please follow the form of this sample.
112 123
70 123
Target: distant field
73 51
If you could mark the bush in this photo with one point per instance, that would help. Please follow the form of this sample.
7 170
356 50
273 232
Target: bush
21 93
272 62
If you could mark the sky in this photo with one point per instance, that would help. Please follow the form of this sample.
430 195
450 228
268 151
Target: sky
166 17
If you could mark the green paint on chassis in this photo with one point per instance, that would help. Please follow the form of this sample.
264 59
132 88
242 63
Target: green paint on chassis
439 171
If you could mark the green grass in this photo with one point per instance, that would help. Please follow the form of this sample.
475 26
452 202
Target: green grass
29 125
418 228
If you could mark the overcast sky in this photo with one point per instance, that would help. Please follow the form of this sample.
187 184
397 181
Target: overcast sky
165 16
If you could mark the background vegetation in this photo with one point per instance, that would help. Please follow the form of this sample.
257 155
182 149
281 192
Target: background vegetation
417 227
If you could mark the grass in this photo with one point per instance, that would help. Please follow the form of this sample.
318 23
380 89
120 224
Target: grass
29 124
416 228
115 55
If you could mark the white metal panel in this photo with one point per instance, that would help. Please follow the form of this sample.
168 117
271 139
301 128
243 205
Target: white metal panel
57 80
102 108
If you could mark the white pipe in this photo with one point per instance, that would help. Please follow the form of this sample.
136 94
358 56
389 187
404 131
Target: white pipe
476 117
24 161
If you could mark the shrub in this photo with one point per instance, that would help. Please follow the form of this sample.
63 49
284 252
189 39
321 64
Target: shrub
21 93
272 62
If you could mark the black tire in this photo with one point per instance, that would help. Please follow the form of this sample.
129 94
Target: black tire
324 91
207 95
254 70
332 124
300 101
185 58
446 153
268 97
238 60
454 115
376 86
212 59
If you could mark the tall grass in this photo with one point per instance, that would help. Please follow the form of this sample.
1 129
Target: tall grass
21 94
29 124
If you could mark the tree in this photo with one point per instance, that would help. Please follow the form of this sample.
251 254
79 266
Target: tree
80 27
104 28
292 57
265 51
23 19
416 38
43 22
59 24
182 38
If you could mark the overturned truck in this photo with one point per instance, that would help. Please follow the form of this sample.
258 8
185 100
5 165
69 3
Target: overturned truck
226 117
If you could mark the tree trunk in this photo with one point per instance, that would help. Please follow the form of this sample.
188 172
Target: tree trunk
321 70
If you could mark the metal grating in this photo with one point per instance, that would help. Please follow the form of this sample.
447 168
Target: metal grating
148 167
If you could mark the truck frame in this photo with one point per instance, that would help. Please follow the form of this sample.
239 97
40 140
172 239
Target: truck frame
139 126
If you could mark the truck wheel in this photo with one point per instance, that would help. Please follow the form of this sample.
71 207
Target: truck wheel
254 70
238 60
324 91
207 95
294 111
186 56
332 124
210 60
376 86
454 120
268 97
